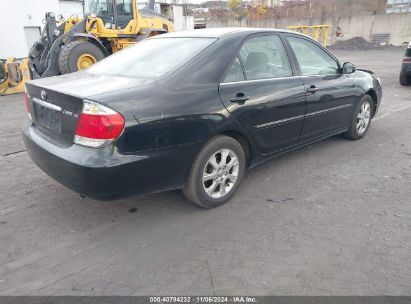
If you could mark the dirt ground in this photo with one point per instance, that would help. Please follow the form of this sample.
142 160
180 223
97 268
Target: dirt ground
331 219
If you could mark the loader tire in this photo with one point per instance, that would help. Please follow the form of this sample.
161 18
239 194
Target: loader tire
78 55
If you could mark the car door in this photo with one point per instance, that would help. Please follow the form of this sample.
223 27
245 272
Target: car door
262 92
330 94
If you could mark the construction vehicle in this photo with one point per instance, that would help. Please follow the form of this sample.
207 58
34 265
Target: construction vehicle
70 45
14 72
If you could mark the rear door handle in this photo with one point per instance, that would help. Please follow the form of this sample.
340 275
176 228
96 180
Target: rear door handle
239 98
312 89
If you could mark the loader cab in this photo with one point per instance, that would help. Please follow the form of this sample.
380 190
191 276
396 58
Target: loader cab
115 14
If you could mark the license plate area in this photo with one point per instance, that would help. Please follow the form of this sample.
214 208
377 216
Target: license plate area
48 115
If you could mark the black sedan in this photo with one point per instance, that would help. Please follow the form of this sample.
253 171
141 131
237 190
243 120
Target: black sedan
192 111
405 74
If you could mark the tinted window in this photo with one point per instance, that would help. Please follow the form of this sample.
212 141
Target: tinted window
102 9
264 57
235 72
312 59
151 58
124 12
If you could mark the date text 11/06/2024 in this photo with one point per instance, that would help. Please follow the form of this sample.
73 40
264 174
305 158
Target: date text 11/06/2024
205 299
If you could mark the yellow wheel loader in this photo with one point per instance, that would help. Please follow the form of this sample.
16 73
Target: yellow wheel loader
66 46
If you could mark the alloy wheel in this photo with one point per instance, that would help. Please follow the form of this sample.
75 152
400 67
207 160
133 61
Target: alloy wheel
363 118
220 173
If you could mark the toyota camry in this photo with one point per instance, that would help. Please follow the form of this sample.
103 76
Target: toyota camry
192 111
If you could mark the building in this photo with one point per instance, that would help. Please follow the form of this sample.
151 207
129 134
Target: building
267 3
22 21
398 6
200 10
215 5
173 12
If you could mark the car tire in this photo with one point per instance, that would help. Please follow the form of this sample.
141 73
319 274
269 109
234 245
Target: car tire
75 53
361 119
404 80
216 172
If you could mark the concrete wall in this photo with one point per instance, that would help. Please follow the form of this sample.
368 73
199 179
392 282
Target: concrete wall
398 25
178 18
188 23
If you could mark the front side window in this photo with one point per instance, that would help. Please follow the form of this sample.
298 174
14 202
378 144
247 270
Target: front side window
151 58
264 57
312 59
102 9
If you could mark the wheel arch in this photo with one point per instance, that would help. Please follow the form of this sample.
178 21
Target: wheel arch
92 39
244 142
374 98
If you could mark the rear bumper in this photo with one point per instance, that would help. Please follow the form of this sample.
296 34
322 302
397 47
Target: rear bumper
406 69
106 174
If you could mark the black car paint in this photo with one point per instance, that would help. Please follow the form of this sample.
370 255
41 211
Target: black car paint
406 66
169 119
406 69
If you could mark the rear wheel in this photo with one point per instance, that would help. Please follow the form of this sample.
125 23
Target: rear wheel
361 119
404 80
78 55
216 172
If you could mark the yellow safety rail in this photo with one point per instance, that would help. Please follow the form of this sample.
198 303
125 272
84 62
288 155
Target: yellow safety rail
318 32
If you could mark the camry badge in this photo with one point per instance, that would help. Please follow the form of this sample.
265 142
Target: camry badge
43 95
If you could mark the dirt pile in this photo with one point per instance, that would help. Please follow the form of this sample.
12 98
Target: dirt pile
353 44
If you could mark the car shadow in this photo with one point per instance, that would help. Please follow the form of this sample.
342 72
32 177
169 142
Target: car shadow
158 205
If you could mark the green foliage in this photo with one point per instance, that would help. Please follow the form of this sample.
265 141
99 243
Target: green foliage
234 5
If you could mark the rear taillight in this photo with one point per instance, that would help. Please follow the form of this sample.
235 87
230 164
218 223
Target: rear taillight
26 98
97 125
406 60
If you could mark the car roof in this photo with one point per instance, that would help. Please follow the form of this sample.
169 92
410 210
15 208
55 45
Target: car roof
219 32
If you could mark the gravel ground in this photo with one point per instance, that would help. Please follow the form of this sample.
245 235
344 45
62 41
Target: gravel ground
353 44
331 219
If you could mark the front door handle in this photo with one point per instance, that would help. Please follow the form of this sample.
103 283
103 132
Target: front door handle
312 89
239 98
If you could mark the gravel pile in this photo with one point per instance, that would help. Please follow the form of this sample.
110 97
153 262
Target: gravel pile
353 44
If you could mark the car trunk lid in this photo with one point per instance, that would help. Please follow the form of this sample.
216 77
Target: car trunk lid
54 114
57 102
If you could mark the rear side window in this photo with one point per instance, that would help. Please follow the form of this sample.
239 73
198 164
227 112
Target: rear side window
312 59
151 58
235 72
264 57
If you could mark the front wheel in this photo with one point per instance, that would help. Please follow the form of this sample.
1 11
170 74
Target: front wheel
216 172
361 119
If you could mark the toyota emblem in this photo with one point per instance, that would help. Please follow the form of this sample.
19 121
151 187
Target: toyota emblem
43 95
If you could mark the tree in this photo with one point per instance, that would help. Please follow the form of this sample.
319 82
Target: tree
234 5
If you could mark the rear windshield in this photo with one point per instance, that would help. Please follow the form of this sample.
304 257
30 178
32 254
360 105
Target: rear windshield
408 53
151 58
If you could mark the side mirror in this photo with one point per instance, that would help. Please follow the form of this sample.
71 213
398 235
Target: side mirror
348 68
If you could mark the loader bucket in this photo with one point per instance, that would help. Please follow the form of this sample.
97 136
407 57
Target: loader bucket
13 74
